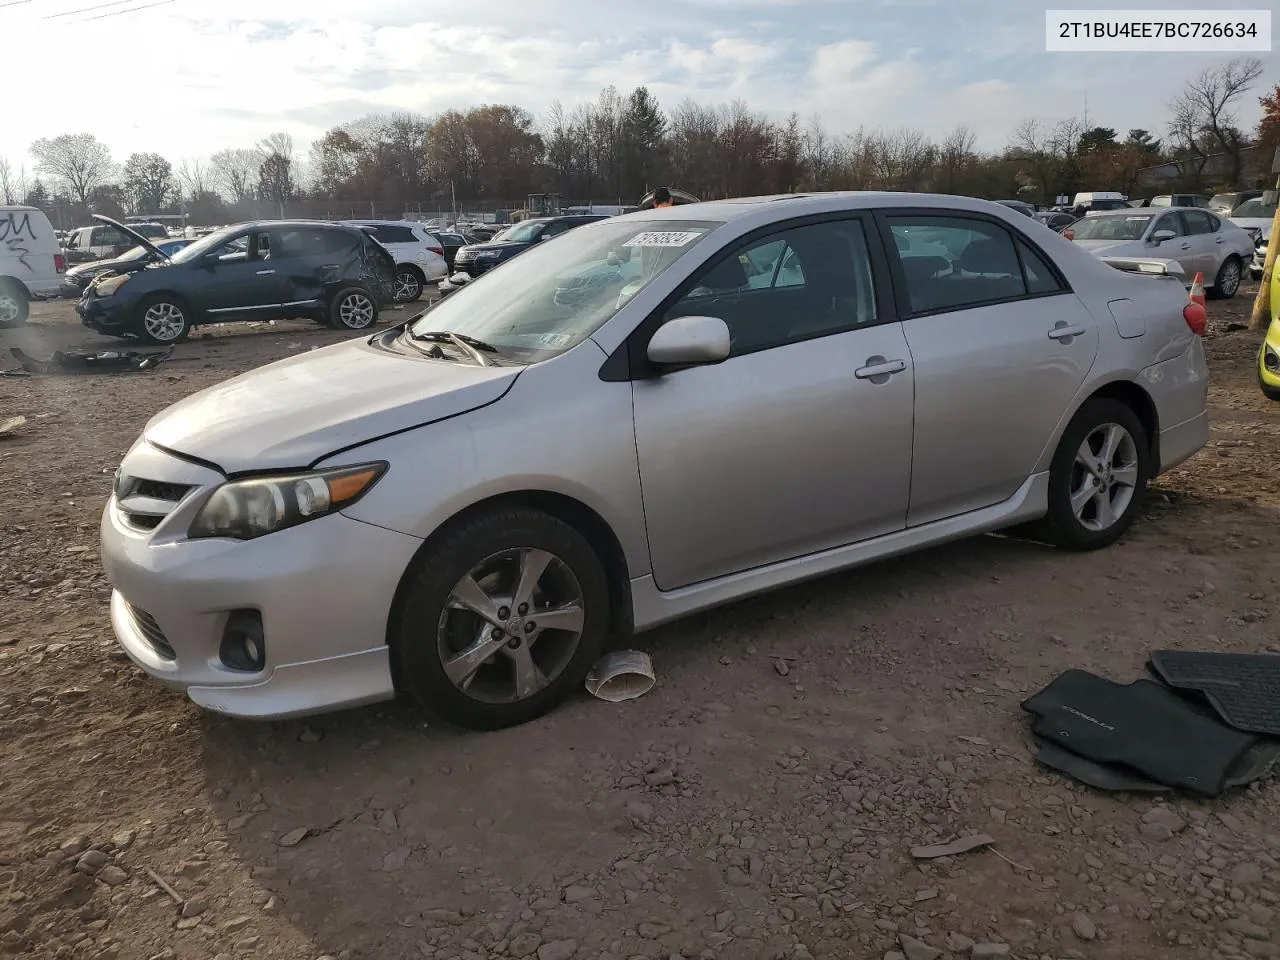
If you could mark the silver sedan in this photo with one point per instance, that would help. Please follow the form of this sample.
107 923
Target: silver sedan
747 394
1199 241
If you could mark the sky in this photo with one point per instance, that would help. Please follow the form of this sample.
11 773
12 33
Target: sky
185 78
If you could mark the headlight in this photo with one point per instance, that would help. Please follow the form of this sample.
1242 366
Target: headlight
245 509
487 254
105 288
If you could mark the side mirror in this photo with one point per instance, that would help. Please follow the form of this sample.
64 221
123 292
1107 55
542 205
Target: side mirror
210 260
690 340
1160 236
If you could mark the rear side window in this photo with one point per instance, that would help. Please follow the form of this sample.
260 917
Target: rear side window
390 233
952 263
1198 222
311 242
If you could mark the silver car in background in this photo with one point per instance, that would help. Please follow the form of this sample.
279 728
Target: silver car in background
1198 240
745 394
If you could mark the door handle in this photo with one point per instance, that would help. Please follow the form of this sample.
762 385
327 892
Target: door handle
264 273
1065 332
879 367
1218 240
1186 246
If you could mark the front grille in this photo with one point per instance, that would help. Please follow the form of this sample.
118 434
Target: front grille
152 633
144 503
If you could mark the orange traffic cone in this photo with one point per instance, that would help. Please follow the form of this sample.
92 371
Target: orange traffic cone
1197 290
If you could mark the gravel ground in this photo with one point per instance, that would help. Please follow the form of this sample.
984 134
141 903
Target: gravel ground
761 802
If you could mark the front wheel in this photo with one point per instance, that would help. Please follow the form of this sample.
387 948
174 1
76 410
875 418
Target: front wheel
1228 280
409 285
353 309
1097 478
162 320
501 619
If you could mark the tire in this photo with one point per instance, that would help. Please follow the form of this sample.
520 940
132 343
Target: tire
1063 527
162 319
490 550
410 284
1228 280
353 309
14 306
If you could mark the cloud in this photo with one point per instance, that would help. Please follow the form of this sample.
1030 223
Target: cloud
201 76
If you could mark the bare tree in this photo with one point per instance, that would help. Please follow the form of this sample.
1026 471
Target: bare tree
77 162
276 174
955 156
193 176
9 187
1204 113
901 159
234 171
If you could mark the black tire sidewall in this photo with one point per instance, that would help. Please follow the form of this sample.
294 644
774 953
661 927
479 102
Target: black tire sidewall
442 564
335 307
1063 528
140 328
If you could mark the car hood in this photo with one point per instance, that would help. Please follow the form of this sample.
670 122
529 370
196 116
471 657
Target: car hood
1253 223
294 412
1112 248
97 266
498 245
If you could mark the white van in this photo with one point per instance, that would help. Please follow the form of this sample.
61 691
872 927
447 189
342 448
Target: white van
31 262
1101 200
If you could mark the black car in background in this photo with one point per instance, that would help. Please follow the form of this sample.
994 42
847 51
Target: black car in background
270 270
475 259
78 277
452 243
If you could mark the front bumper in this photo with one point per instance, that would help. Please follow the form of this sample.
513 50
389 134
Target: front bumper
1269 362
1259 259
111 315
323 590
72 288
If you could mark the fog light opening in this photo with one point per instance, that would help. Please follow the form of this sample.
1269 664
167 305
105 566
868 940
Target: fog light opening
243 645
1271 361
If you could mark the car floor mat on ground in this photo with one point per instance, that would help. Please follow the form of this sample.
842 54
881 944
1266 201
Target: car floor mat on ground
1142 725
1243 687
1254 764
1101 776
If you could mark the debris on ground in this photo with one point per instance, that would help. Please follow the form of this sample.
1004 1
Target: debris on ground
10 426
621 675
954 848
91 361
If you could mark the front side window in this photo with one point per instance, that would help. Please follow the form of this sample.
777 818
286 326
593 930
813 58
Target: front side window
1124 227
974 262
1172 222
555 295
804 282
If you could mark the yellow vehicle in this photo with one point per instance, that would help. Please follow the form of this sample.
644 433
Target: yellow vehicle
1269 355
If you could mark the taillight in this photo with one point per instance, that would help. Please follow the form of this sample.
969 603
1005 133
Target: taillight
1069 233
59 263
438 251
1197 318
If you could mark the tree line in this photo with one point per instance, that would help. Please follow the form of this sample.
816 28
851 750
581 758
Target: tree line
612 150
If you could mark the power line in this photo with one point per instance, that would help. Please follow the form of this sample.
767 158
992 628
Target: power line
99 6
13 3
117 13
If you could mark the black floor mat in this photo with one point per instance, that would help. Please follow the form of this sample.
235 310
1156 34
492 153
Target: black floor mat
1143 726
1244 688
1255 763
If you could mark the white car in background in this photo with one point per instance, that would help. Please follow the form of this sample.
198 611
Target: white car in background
1255 218
419 254
1199 241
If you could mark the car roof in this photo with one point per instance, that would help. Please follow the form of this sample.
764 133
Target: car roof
382 223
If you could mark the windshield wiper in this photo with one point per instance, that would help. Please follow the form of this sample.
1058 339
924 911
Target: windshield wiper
469 345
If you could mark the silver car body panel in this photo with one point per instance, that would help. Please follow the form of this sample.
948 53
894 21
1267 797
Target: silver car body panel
716 482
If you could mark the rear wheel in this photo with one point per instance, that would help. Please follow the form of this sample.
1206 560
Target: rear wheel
502 618
1228 280
162 319
409 284
1098 477
353 309
14 306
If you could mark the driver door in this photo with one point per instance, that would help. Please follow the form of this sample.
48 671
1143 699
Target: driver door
240 281
801 440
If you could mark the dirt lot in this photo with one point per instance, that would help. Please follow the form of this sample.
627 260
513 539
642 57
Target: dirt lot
761 802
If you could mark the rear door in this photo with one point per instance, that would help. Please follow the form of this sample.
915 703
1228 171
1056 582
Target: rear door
313 262
999 345
1207 242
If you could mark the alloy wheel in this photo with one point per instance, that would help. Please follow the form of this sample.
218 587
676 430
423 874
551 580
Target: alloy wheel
356 311
1104 476
164 321
10 310
1229 278
408 286
511 625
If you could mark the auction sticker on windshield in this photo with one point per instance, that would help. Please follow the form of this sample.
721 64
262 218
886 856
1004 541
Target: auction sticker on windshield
661 239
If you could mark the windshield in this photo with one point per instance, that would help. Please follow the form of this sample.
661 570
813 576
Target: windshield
204 245
526 232
135 253
1111 228
559 293
1255 209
